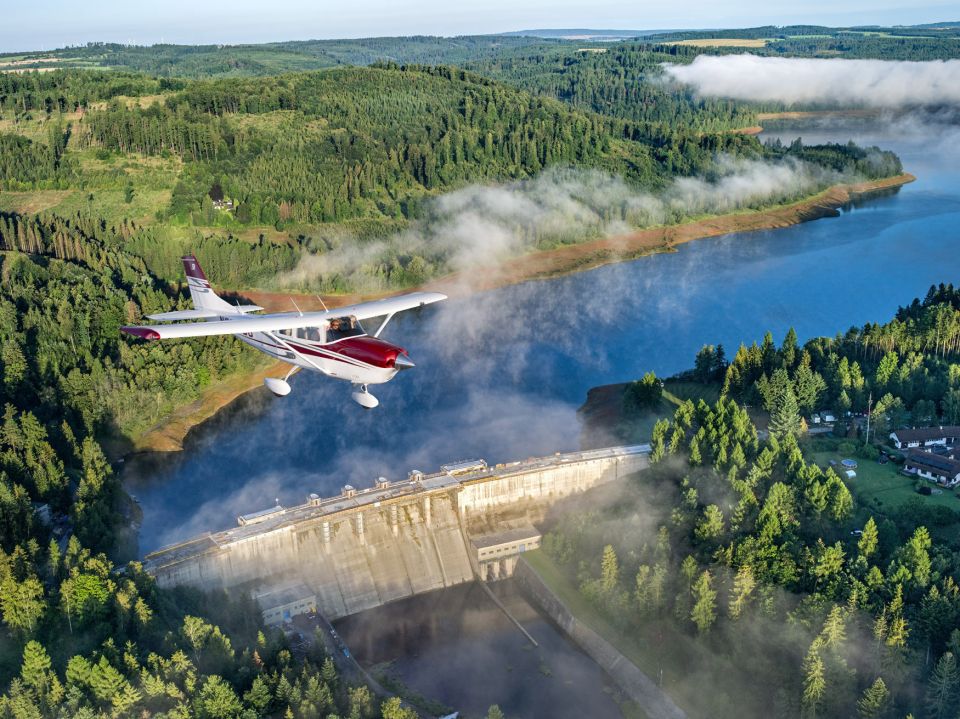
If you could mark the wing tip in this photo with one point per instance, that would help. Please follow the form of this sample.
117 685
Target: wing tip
145 333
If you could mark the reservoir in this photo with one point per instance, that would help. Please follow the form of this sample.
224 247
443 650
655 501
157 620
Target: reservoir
500 375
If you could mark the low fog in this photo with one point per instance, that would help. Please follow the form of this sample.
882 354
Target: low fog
801 81
481 226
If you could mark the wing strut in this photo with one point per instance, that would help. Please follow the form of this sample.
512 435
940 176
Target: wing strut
383 324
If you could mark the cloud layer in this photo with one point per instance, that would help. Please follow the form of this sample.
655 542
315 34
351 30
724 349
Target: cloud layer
481 226
800 81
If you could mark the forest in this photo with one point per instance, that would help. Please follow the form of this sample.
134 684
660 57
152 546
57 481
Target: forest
925 42
741 563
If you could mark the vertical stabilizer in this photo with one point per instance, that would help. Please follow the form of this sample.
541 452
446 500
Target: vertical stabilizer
204 298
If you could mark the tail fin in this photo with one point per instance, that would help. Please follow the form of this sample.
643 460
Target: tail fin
204 298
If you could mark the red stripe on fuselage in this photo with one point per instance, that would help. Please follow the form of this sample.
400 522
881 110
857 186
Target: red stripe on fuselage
365 350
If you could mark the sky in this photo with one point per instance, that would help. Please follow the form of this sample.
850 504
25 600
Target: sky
47 24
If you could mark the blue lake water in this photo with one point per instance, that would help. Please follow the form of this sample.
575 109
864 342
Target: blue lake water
500 375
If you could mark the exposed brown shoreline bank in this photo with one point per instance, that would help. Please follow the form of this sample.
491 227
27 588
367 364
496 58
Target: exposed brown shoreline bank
170 434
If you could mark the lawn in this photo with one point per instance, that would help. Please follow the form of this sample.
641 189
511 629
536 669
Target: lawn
678 392
883 485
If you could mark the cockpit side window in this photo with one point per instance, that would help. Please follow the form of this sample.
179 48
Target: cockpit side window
310 334
341 327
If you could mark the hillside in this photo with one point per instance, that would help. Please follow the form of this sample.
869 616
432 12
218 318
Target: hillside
344 155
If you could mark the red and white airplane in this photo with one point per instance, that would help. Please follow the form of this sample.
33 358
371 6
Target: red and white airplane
331 342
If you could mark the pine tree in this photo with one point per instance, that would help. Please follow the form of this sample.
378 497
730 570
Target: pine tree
35 670
657 440
874 702
710 524
834 631
814 681
867 544
788 350
785 415
22 604
942 688
609 570
704 610
743 585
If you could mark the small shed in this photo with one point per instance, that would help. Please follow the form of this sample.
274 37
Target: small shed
851 474
281 604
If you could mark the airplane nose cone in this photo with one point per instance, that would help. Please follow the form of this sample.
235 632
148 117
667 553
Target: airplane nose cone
402 362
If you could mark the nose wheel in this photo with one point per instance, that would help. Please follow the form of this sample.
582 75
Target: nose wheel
362 397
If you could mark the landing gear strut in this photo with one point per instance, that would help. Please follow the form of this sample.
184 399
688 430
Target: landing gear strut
362 397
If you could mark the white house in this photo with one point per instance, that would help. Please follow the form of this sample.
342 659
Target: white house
936 468
925 437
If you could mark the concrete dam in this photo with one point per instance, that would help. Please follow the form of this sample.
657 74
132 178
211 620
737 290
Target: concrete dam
363 548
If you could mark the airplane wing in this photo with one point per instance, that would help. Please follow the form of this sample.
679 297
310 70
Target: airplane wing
387 306
284 321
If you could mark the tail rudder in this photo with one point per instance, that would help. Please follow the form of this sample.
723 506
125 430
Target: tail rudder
204 298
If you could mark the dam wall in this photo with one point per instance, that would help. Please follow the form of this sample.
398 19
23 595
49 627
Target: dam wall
365 548
544 481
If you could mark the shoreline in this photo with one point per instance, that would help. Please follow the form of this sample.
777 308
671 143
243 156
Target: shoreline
170 434
801 115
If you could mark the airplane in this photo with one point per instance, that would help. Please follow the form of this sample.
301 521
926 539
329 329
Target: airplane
332 342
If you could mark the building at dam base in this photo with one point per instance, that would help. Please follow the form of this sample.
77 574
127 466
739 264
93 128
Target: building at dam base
364 548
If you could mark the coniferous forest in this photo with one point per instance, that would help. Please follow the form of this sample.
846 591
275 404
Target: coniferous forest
743 554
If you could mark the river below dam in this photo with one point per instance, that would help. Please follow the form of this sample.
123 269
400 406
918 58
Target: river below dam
457 647
500 375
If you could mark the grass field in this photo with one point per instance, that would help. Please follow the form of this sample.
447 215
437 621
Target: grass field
34 201
723 42
882 489
680 392
883 485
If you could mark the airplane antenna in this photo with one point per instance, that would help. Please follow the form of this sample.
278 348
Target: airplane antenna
295 305
322 303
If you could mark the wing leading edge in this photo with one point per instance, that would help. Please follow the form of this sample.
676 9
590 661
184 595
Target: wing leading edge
283 321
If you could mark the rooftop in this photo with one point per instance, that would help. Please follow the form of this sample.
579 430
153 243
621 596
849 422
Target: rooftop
508 536
935 462
926 433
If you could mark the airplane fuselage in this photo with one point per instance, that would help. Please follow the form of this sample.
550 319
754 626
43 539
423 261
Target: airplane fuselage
359 359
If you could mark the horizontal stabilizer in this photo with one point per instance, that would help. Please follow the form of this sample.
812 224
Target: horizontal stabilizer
200 314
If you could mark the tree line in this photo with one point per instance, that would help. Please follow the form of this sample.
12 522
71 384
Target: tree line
908 366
